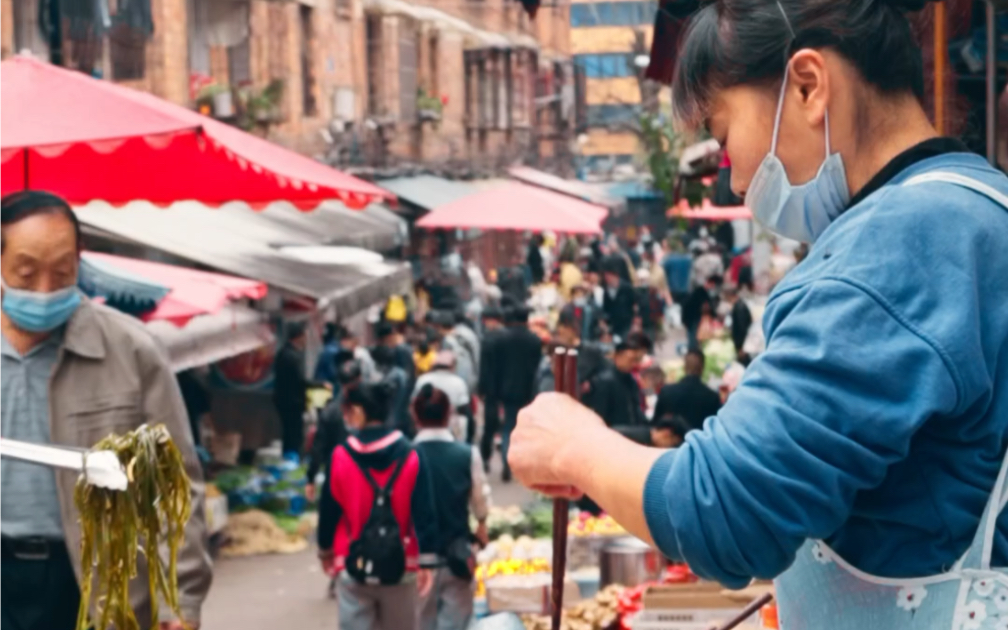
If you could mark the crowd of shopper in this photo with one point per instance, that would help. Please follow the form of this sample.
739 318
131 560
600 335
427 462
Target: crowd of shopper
417 420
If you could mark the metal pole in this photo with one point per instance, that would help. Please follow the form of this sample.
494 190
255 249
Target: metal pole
55 33
991 68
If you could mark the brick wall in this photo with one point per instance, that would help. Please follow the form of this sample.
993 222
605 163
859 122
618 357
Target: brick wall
6 28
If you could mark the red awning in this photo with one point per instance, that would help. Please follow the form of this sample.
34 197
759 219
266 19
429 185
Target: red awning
514 206
192 292
709 212
87 140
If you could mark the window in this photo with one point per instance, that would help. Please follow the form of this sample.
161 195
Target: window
408 66
239 66
615 114
127 48
606 65
613 13
308 105
373 35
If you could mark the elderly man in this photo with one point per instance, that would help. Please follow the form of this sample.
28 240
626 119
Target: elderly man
73 372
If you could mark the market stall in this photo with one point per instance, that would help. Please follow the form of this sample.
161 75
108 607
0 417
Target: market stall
86 139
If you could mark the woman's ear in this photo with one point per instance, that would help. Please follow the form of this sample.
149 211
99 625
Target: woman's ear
810 79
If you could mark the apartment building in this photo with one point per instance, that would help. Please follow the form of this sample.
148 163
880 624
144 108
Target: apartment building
365 82
609 42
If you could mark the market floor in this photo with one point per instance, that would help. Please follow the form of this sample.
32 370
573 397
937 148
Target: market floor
289 591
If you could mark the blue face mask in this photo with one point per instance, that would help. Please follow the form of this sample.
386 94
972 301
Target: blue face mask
40 312
800 212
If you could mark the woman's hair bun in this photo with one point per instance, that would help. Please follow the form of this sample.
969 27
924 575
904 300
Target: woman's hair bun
909 6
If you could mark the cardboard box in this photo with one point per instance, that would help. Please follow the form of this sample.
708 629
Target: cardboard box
696 606
534 598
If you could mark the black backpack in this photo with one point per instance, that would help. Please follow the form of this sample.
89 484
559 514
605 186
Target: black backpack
378 556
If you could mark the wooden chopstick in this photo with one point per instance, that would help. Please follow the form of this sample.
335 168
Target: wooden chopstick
747 612
565 381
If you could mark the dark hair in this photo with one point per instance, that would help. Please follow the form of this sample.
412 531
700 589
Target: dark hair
749 42
493 312
349 372
295 330
569 318
383 356
635 341
674 423
384 329
23 204
431 406
373 398
697 352
518 314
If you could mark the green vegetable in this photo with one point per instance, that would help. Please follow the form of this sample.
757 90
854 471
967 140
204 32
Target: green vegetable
153 509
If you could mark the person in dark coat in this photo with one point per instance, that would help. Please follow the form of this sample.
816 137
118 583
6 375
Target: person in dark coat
620 301
741 319
331 430
690 398
534 260
693 309
290 389
494 334
613 393
520 351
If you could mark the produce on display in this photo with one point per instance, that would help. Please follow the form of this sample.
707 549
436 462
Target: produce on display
514 521
255 532
598 613
499 568
587 525
115 525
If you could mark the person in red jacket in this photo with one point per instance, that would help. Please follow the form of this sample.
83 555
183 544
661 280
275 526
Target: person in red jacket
344 510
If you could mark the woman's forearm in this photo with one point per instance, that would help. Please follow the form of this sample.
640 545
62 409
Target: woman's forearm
612 470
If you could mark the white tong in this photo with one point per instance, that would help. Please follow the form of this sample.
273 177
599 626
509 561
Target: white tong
100 468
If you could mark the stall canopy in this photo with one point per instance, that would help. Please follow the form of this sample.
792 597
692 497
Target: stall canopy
250 245
232 331
709 212
516 206
592 193
87 140
427 192
187 293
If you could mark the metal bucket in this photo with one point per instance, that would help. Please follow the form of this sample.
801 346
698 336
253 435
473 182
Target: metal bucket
630 562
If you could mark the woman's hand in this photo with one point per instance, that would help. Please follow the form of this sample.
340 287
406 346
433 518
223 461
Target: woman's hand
545 443
425 581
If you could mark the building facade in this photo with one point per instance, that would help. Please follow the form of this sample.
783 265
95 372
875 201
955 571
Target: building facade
362 83
610 41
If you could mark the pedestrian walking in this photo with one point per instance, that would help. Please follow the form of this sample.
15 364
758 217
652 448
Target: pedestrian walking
519 354
460 490
378 527
290 390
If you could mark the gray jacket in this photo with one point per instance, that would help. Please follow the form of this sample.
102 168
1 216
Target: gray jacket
111 377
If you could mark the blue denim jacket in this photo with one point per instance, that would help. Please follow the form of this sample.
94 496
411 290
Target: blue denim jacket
877 418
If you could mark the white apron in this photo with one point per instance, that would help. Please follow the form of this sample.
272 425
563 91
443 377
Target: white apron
821 591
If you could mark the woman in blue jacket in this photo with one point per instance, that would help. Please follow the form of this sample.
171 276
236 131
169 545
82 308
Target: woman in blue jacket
861 462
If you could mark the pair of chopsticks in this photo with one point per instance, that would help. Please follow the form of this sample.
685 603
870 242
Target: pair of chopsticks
100 468
565 379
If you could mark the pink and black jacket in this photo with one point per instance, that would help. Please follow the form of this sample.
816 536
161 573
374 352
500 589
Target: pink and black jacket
346 506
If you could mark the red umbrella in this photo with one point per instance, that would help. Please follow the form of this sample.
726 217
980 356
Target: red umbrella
191 292
87 140
515 206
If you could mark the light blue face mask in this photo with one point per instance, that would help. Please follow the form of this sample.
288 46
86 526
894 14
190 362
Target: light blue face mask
40 312
800 212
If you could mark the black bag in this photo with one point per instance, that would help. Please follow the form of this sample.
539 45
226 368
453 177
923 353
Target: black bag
459 558
378 556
